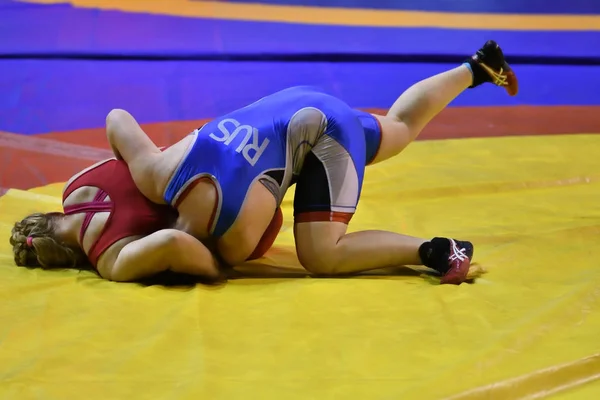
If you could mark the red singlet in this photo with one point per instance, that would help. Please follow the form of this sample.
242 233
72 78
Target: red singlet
131 214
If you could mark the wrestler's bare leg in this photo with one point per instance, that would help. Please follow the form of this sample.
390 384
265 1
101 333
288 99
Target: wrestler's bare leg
326 248
418 105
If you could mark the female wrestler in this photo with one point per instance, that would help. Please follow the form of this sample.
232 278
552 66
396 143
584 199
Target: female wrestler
228 178
110 226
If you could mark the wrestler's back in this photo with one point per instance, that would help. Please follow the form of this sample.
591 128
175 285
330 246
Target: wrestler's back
107 259
104 236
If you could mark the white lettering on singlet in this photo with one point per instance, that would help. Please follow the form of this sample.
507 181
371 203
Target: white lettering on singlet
248 146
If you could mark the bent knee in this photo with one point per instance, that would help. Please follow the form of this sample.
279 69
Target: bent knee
323 262
318 248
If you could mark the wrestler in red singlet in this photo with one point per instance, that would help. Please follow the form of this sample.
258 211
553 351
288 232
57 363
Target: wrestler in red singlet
131 214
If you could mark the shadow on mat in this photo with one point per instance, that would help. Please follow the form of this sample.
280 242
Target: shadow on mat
264 272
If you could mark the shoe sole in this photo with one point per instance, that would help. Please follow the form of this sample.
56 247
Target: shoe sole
505 78
457 275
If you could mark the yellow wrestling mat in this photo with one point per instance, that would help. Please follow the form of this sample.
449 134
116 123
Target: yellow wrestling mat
527 329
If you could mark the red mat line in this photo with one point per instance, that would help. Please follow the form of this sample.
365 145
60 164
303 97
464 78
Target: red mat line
31 161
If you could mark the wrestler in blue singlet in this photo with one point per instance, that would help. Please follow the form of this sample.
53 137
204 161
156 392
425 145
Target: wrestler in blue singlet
298 135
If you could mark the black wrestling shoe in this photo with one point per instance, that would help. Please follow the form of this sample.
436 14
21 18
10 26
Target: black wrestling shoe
450 257
488 65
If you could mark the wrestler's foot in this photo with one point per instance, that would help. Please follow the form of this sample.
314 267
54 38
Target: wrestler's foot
488 65
452 258
459 261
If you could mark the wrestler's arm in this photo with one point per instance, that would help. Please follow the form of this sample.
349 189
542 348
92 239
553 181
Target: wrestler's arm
167 249
126 137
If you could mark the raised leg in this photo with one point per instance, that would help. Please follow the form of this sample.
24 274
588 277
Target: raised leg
322 244
418 105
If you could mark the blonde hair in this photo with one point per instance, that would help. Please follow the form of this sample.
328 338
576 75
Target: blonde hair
43 248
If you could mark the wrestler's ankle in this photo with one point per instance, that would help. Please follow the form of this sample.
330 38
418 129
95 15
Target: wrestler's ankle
477 72
434 254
